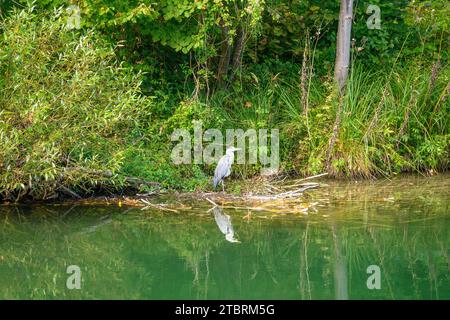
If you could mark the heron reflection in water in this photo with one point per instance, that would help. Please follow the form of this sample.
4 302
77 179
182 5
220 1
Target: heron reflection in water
224 223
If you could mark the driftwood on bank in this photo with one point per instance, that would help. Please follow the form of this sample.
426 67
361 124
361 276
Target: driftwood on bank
295 193
271 198
268 197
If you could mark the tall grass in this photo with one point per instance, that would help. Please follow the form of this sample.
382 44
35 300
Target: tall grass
391 120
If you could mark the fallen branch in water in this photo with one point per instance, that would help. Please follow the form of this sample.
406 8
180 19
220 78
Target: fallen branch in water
214 204
69 192
157 206
93 228
276 200
297 192
295 184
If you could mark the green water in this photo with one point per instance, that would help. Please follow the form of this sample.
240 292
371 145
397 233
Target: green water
402 226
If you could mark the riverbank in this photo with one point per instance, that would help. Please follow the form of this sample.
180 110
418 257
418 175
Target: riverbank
78 123
277 197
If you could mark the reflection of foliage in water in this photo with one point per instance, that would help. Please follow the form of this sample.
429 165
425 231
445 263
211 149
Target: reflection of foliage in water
36 252
149 254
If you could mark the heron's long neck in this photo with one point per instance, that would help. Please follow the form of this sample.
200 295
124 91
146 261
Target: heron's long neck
231 155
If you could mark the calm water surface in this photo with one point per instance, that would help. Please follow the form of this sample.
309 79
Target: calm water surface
400 225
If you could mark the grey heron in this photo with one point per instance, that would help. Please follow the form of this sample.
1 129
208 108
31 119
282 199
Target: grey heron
223 168
223 221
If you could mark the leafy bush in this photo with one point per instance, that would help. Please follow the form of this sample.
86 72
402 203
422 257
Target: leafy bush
68 108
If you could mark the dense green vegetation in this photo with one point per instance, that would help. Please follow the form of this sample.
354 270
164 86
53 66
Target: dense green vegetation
84 109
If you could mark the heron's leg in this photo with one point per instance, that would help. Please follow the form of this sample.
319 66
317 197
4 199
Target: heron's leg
223 186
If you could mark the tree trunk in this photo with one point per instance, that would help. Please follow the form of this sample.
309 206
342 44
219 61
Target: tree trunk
225 55
343 43
237 55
